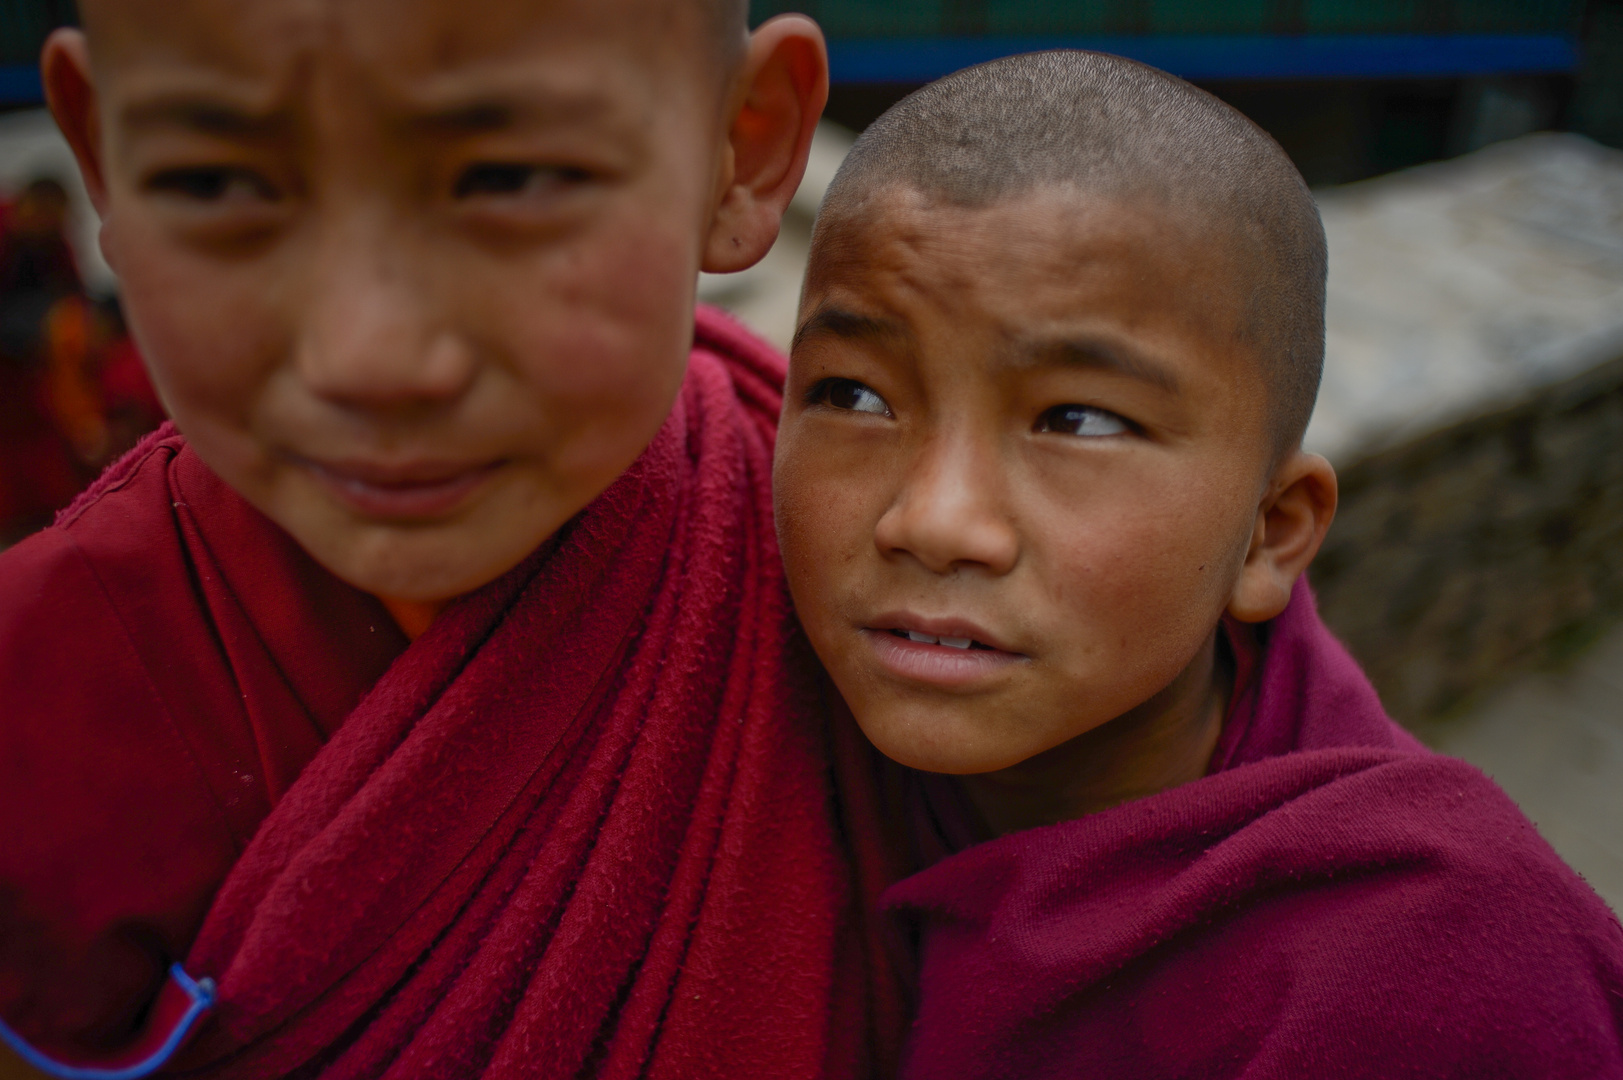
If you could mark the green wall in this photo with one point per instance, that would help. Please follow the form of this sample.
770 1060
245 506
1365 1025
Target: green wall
24 24
929 18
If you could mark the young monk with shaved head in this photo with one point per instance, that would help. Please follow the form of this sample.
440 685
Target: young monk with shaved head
425 701
1042 499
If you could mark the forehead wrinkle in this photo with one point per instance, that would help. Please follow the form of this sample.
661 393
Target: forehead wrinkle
262 53
207 33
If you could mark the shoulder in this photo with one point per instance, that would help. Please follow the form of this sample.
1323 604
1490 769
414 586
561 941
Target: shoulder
58 588
1438 927
73 664
1358 913
50 579
108 819
755 369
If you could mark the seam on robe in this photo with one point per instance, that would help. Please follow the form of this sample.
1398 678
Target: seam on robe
217 622
115 476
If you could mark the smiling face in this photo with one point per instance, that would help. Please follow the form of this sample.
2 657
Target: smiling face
1019 470
418 285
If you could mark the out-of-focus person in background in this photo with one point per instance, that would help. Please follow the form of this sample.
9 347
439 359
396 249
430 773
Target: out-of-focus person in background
73 392
38 470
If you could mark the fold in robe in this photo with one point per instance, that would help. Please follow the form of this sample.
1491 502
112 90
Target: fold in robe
1332 901
586 824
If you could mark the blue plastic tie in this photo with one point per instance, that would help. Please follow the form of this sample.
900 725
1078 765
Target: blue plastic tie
202 995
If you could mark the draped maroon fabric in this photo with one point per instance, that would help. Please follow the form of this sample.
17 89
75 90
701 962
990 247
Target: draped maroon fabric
1332 901
586 824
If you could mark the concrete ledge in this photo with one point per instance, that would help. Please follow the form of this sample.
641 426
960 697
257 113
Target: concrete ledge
1489 547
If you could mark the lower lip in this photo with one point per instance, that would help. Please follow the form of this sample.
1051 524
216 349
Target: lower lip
938 665
420 500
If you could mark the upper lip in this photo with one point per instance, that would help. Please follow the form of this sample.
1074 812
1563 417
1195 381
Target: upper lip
401 474
951 626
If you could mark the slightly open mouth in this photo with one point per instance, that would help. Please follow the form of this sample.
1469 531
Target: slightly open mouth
949 642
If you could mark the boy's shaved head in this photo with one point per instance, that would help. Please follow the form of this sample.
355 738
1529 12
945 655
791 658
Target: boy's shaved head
1111 127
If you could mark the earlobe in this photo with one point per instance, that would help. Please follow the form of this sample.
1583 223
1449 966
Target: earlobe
1290 527
783 87
71 94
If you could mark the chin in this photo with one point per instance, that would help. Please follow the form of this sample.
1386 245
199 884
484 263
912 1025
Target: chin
950 753
423 564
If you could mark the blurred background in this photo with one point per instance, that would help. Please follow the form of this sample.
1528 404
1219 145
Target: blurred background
1464 153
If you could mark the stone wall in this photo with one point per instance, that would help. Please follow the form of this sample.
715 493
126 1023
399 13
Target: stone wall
1491 546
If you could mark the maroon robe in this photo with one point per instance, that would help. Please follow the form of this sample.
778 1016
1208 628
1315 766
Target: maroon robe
587 824
1332 901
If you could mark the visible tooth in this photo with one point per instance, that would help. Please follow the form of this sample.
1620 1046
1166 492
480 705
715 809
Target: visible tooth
956 642
916 636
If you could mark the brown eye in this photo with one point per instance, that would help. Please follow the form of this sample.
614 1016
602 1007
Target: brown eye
1083 420
510 178
849 396
213 184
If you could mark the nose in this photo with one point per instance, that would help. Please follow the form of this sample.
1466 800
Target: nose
371 337
951 512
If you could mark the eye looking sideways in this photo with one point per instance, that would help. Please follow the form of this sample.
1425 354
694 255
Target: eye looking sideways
847 395
1084 421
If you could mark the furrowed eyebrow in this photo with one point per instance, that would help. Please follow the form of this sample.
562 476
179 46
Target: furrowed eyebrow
208 115
504 98
847 325
472 119
1099 355
495 114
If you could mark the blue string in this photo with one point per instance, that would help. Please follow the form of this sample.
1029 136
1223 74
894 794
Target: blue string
202 994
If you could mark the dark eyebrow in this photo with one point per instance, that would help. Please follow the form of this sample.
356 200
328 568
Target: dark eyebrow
1101 355
503 99
471 119
477 117
209 115
848 325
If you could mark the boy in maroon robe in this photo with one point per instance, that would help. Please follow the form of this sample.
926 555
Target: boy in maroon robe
425 701
1046 514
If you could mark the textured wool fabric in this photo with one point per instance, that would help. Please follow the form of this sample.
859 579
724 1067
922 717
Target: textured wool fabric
1331 901
585 825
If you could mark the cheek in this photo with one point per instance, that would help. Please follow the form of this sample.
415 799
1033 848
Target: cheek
824 524
600 332
206 332
1147 574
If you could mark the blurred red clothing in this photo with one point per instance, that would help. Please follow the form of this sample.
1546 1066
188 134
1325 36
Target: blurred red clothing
73 392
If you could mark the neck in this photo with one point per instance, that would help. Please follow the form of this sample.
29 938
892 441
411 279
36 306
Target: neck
412 616
1162 743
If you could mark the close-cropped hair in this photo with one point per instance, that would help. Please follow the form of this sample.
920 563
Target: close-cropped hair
1106 126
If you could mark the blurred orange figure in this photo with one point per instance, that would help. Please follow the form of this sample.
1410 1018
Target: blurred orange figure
73 392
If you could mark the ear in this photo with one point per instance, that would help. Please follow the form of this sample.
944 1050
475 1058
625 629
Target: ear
1291 523
64 67
781 92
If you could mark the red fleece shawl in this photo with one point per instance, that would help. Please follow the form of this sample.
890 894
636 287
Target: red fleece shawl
1333 902
585 825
